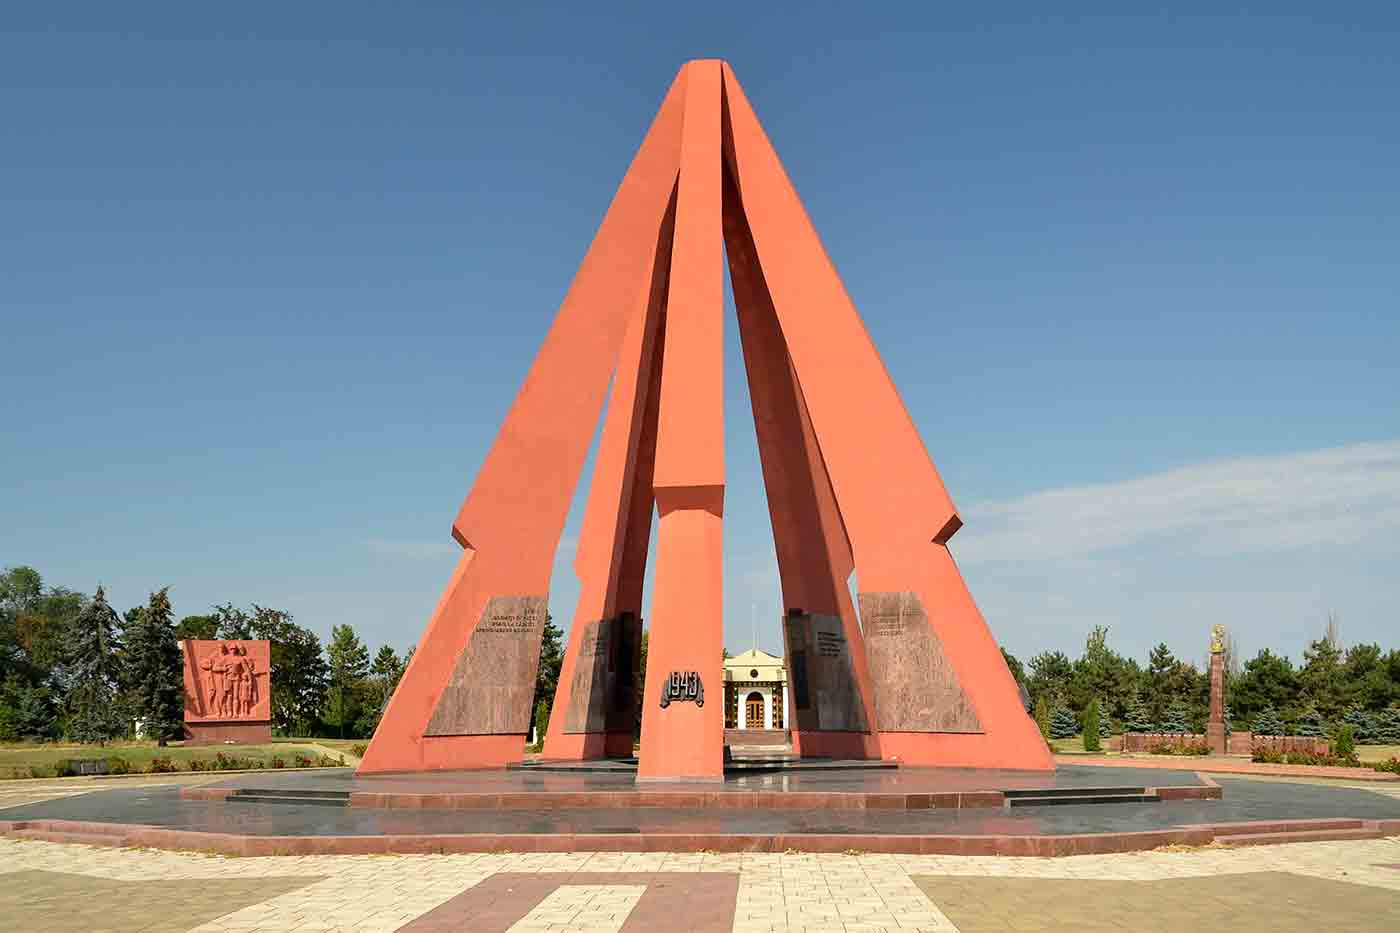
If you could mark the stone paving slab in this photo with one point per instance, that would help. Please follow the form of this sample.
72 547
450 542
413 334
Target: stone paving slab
771 891
1281 902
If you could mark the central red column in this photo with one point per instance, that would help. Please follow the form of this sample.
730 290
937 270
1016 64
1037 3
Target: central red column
685 738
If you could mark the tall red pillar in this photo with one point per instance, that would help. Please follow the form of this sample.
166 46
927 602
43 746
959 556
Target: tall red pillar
684 738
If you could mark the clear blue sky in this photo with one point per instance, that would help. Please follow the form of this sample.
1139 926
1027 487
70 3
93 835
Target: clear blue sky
271 274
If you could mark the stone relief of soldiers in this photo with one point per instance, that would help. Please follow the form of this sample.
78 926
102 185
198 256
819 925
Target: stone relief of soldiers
230 682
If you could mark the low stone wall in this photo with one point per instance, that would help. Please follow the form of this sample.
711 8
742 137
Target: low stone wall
1240 743
1143 741
1291 743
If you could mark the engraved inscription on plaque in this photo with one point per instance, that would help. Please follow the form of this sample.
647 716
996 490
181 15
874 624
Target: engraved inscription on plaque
801 687
493 683
626 656
916 688
683 686
825 693
602 690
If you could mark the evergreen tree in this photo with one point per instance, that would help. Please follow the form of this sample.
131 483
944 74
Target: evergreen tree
384 674
154 670
26 712
1268 680
1042 716
1309 723
1013 665
1363 727
1105 727
1321 677
551 661
1063 724
349 664
1091 726
298 678
1388 726
93 659
1176 719
1137 719
1268 722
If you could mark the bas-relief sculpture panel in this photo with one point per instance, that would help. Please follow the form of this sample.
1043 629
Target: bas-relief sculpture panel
227 680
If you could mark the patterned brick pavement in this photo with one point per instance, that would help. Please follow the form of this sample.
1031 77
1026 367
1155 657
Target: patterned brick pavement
1277 888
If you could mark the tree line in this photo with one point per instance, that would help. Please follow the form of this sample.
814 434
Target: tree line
1267 694
72 667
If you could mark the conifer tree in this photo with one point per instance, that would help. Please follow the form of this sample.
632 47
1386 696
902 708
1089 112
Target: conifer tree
1042 717
1176 719
1137 719
1063 724
93 652
155 679
1091 726
1268 722
1363 726
1309 723
1388 726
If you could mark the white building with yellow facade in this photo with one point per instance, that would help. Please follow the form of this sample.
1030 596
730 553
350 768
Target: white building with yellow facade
755 691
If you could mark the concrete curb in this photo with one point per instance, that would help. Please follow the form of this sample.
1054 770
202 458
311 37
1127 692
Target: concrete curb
986 845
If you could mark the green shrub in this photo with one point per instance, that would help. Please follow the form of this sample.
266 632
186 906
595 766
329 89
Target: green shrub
278 761
359 749
303 762
64 768
1392 765
1042 717
118 765
164 766
1345 744
1092 741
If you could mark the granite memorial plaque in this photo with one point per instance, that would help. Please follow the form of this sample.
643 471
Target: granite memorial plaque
626 659
603 688
825 694
493 683
916 688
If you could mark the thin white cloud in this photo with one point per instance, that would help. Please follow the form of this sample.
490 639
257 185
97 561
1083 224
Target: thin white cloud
412 550
1336 496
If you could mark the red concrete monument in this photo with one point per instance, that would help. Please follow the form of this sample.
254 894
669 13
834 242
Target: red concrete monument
227 694
909 670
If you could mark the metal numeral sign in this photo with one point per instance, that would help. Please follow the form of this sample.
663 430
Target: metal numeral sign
682 686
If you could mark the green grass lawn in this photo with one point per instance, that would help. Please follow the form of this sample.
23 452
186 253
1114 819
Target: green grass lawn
1377 752
16 760
341 745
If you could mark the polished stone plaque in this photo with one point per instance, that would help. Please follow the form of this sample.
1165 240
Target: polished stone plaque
602 693
493 683
825 693
916 688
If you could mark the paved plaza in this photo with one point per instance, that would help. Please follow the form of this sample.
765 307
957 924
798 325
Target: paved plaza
1353 885
1306 886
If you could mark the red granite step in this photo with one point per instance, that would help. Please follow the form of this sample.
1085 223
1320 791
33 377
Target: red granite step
86 839
1274 827
1314 835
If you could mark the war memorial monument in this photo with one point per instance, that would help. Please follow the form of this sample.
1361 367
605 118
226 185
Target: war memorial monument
908 733
910 673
